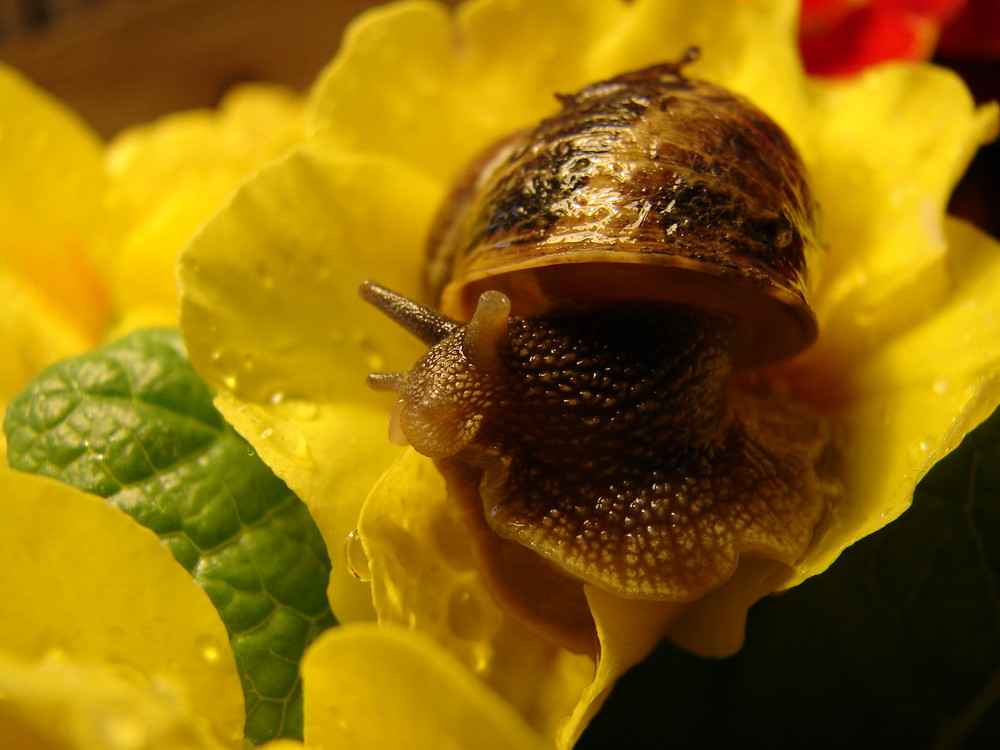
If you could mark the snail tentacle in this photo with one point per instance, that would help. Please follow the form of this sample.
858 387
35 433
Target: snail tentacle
426 323
385 381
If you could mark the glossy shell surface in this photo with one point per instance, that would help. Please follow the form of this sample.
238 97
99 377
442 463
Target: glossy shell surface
649 185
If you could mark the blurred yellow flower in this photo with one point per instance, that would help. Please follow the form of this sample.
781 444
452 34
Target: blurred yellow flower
91 654
89 234
908 305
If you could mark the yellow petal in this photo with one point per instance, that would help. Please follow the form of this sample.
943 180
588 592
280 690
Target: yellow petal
176 172
748 47
253 124
424 576
889 147
370 688
82 579
514 58
33 334
498 65
277 274
461 86
58 704
330 453
53 222
912 399
273 320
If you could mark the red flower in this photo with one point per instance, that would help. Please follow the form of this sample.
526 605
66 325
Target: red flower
841 37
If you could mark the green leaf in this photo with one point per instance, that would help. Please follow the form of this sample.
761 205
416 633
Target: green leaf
896 646
132 422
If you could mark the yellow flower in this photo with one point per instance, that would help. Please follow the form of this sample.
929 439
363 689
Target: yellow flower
89 234
91 655
907 303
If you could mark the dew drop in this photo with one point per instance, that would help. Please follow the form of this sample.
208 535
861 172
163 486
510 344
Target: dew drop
940 387
250 450
357 558
296 409
289 441
208 649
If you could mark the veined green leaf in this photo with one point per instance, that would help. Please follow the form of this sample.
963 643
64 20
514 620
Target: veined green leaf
132 422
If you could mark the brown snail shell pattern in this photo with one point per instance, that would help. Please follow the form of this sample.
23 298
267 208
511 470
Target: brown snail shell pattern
650 243
691 182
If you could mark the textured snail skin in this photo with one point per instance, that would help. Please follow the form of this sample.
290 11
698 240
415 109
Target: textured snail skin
631 261
610 441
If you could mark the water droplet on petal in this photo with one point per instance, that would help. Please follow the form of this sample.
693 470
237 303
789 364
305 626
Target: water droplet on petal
295 409
288 440
941 387
209 649
357 558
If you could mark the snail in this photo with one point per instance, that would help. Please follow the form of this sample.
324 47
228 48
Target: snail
628 268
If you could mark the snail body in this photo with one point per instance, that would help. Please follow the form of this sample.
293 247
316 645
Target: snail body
624 268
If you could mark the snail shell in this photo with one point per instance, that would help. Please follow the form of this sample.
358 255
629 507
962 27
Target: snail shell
625 264
647 186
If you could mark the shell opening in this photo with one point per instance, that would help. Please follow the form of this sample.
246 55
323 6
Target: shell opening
772 322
